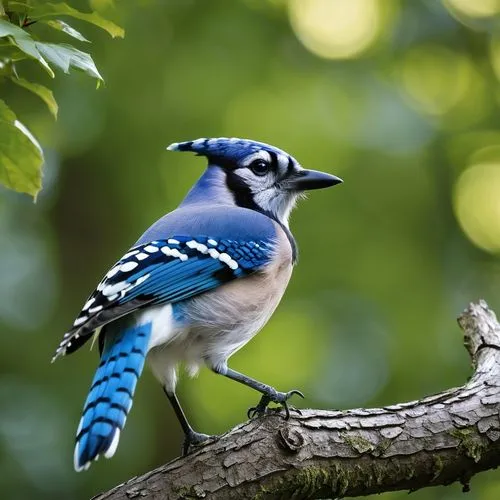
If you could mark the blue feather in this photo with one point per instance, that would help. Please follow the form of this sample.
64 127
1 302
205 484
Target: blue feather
224 148
110 398
247 236
193 220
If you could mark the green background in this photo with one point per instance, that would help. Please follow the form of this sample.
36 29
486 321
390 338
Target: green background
399 98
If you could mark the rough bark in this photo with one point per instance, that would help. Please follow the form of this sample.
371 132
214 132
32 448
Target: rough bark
437 440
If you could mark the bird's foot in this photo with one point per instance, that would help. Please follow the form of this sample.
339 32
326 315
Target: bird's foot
274 396
193 438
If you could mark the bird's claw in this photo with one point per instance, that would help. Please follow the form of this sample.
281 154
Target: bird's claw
280 398
193 439
260 409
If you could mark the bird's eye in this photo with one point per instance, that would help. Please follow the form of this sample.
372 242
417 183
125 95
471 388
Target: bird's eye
259 167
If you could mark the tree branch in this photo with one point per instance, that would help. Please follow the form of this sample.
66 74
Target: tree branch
437 440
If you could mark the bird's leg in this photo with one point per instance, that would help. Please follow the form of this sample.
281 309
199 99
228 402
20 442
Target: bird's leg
191 437
269 394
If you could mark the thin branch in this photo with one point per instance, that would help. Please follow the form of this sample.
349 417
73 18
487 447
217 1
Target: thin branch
437 440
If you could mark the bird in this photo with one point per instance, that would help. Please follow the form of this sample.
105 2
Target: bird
194 288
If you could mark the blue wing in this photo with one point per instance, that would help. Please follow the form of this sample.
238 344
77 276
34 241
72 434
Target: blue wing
165 271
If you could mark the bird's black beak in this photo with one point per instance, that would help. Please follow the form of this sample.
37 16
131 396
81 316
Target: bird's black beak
312 179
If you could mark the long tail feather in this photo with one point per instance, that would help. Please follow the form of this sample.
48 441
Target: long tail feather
110 397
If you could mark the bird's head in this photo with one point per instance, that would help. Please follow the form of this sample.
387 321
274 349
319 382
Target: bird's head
258 176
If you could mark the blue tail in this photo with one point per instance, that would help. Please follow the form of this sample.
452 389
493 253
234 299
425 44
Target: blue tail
111 393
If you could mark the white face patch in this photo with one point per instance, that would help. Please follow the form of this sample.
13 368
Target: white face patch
259 155
269 191
282 163
278 202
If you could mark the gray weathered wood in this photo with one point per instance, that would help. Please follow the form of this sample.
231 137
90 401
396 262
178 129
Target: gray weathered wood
437 440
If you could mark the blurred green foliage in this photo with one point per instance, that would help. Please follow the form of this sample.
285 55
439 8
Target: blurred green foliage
22 157
399 98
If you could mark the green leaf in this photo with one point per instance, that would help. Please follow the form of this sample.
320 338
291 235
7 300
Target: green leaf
65 27
21 39
42 92
21 157
19 7
10 53
62 9
6 114
6 67
65 57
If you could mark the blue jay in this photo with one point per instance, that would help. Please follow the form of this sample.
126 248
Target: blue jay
195 287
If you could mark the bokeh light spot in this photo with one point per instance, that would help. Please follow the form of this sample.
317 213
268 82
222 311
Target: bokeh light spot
336 29
474 8
495 55
477 204
435 78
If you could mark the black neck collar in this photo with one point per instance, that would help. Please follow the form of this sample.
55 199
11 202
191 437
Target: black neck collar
243 198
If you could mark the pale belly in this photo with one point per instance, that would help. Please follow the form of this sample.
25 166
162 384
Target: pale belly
216 324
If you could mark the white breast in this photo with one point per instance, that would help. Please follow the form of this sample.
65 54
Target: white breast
219 322
225 319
